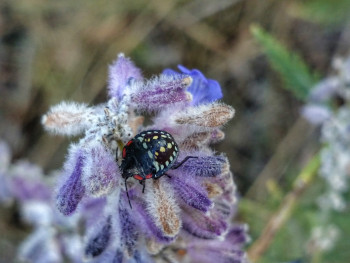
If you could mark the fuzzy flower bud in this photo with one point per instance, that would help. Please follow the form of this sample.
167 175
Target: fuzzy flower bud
67 118
152 230
100 171
209 115
72 191
192 194
121 73
40 247
129 234
161 205
99 242
203 225
160 92
205 166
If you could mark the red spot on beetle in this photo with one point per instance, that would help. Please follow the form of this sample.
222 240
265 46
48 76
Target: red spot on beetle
138 177
148 176
124 153
129 142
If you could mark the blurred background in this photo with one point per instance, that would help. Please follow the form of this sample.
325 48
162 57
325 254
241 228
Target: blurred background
258 51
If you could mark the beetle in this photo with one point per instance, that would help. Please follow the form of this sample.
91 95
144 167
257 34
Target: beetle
150 154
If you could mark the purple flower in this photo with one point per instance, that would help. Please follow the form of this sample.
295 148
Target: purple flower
202 89
128 228
72 191
227 250
99 242
316 114
121 73
54 236
325 90
158 93
100 171
193 203
192 194
25 183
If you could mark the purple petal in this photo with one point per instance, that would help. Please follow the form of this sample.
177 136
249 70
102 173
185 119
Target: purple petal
217 250
191 193
324 90
169 71
224 209
72 247
121 73
92 208
216 136
316 114
27 182
129 233
40 246
118 257
227 186
204 166
202 89
147 224
237 236
100 171
26 189
216 255
37 213
142 256
72 191
203 225
160 93
100 240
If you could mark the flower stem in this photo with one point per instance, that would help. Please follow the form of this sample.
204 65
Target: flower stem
285 210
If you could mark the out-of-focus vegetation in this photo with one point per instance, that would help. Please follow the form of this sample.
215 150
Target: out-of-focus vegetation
294 72
54 51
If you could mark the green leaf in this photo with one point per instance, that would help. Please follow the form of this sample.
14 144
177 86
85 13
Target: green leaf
324 11
296 75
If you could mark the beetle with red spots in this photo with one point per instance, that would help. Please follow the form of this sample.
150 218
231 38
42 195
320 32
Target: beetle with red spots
150 154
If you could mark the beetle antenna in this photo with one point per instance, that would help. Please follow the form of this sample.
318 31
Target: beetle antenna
127 193
182 162
144 185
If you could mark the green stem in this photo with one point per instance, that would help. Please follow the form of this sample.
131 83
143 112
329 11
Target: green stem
285 210
316 257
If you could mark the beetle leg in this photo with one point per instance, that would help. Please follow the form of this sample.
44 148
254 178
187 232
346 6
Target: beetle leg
127 193
143 182
182 162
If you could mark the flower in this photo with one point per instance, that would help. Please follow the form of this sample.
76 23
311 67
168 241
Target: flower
323 238
202 89
336 159
181 215
334 119
317 111
54 236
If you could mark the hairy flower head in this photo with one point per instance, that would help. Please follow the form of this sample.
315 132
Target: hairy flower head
192 203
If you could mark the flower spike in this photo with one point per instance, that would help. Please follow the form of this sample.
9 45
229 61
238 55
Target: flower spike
187 196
